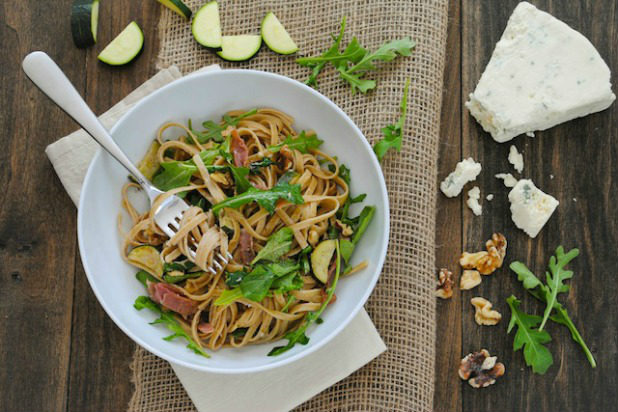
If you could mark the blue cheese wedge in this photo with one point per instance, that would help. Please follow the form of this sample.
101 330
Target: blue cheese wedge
530 207
466 171
541 73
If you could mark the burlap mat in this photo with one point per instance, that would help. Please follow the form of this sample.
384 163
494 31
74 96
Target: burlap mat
403 303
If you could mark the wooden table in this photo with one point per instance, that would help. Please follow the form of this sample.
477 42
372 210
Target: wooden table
60 351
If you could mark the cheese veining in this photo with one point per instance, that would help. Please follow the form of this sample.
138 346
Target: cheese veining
466 171
531 208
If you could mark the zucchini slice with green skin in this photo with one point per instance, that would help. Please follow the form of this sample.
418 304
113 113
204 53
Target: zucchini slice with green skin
147 258
178 7
239 48
321 257
84 22
206 26
276 37
125 47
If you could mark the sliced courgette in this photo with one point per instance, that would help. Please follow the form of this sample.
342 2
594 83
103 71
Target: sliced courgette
125 47
206 26
239 48
178 7
84 22
149 165
321 257
276 37
147 258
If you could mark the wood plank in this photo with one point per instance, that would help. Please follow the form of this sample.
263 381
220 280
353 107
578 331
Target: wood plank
582 157
100 352
447 395
37 220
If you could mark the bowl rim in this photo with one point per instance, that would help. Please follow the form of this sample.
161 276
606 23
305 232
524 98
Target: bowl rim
283 361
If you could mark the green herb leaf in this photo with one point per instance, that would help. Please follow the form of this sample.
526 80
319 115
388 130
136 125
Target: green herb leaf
228 296
386 52
256 284
265 198
175 174
532 340
302 143
560 315
555 278
182 266
234 278
333 51
144 277
298 335
212 130
287 305
255 167
240 178
278 245
363 222
178 279
287 283
239 332
393 132
167 319
347 247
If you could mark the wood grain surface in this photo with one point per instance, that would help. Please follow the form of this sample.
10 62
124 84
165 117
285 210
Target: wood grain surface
60 351
581 156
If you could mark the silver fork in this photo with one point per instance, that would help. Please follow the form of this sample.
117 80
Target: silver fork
44 73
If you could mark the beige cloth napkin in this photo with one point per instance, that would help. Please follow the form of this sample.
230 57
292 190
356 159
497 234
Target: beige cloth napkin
287 386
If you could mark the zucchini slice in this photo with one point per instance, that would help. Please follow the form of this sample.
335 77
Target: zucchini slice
84 22
178 7
125 47
239 48
147 258
276 37
206 26
321 257
149 165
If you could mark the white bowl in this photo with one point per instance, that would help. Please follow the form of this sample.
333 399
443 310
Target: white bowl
209 96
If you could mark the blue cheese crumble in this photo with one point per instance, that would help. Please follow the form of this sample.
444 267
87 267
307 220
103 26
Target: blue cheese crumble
531 208
466 171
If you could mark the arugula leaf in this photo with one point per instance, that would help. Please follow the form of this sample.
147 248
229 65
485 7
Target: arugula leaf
287 305
265 198
355 61
554 280
175 174
303 260
234 278
179 265
298 335
228 296
560 315
287 177
239 332
363 222
213 130
347 247
167 319
333 51
177 279
386 52
257 283
302 143
240 178
393 132
277 245
255 167
532 340
144 277
344 174
287 283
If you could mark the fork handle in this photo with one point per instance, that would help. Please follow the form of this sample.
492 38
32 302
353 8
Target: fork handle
44 72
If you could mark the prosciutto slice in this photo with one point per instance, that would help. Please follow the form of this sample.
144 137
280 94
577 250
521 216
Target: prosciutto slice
169 298
239 150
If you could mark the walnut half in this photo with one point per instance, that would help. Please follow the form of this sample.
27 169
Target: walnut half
445 284
486 262
469 279
480 369
484 314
